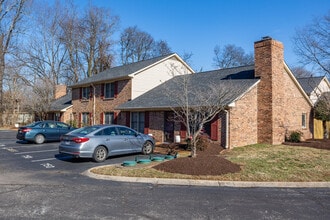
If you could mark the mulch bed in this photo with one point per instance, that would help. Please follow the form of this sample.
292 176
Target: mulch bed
319 144
207 162
210 162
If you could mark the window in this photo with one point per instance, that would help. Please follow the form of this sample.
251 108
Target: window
85 118
137 122
107 131
109 90
303 120
85 93
62 125
108 118
126 131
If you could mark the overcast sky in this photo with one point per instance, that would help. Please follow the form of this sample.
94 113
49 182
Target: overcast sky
196 26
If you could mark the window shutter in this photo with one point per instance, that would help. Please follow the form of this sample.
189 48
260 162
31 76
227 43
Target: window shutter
146 122
128 119
116 89
115 114
102 91
79 120
214 128
90 92
101 117
183 131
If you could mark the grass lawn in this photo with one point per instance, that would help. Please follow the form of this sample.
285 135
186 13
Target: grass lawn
258 163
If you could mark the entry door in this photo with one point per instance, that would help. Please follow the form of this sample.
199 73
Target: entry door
169 127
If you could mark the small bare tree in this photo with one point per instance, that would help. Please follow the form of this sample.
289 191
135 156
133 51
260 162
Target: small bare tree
11 13
196 99
231 56
96 28
311 44
137 45
300 72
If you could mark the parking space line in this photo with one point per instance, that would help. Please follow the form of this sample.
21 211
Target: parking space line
43 160
37 151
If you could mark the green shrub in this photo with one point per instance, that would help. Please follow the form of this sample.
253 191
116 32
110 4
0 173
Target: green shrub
294 136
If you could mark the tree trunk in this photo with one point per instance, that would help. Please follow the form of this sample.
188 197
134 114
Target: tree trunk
2 72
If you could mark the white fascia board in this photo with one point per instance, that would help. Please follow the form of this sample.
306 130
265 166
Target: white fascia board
168 57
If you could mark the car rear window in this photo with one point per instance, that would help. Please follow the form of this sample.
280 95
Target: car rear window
85 130
34 124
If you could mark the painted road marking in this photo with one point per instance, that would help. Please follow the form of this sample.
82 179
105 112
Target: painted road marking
10 149
27 156
47 165
37 151
33 161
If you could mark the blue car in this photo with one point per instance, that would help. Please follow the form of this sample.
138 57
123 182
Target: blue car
41 131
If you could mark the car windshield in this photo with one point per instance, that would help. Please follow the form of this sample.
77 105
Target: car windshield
85 130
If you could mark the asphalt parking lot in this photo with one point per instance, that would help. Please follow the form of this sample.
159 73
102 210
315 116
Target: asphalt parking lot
38 183
40 157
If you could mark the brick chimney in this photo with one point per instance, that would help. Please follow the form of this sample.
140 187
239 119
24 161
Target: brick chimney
60 90
269 67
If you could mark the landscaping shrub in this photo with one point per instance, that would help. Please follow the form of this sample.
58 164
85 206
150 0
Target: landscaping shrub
294 136
202 142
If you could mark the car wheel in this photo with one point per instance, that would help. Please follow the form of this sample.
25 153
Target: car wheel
100 154
39 139
147 148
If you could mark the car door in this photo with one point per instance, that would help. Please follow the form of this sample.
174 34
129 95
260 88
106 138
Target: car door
115 143
50 130
130 139
62 128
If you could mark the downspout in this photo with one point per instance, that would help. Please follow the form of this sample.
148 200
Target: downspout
93 104
227 129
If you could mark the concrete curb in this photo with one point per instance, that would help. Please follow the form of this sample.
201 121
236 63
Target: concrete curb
190 182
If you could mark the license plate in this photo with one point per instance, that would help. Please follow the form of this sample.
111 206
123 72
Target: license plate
67 142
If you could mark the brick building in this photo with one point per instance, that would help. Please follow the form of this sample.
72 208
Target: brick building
263 102
268 103
95 99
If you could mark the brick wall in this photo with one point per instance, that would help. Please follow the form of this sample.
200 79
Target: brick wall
60 90
295 105
156 125
280 103
102 105
243 120
269 67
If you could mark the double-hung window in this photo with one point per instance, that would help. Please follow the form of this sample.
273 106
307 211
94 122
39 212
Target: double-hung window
85 118
137 122
109 90
85 93
108 117
303 120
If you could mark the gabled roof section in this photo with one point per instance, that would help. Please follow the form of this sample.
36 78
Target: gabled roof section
309 84
164 96
126 71
62 103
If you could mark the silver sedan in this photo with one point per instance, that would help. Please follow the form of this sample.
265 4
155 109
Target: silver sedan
101 141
